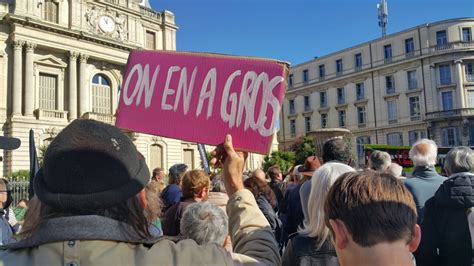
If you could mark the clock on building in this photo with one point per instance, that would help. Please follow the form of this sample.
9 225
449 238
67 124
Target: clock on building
106 24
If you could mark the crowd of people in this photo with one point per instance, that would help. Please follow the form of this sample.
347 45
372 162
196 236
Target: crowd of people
96 203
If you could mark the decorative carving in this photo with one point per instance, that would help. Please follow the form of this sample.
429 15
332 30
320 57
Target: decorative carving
118 31
83 58
18 44
73 55
30 47
122 33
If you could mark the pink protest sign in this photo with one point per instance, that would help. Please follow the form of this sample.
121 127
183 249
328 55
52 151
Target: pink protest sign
201 97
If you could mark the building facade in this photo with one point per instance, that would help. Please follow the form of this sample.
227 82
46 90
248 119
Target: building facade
63 60
394 90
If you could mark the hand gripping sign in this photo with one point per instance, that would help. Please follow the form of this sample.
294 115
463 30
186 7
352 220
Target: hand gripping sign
201 97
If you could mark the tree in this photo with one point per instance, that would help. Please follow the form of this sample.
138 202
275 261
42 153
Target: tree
284 159
303 148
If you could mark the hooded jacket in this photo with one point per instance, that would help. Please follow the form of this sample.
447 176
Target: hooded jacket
445 238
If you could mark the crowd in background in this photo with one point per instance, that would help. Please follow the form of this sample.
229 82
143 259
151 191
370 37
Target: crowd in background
326 211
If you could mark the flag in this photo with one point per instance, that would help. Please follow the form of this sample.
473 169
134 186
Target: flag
34 166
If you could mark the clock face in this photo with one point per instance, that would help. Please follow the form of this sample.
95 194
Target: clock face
106 24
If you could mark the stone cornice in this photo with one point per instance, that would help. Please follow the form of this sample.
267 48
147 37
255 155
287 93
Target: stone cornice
81 35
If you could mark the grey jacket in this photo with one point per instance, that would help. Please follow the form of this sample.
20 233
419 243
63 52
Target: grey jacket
423 185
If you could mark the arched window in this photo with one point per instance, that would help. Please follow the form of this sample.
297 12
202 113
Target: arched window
156 156
101 95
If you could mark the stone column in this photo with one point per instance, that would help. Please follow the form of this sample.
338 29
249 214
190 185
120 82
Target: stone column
460 84
83 85
17 77
29 80
72 85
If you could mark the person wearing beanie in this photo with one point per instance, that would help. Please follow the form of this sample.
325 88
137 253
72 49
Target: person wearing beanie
172 193
90 208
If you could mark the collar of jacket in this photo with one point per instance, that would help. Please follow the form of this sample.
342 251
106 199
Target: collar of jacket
424 171
87 227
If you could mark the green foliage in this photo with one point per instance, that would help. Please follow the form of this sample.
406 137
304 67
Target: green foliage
41 152
284 159
303 148
21 173
213 170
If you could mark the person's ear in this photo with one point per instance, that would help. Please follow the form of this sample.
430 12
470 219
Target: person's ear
142 199
341 235
415 239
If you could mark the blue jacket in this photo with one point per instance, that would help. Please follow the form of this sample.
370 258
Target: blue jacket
423 185
170 195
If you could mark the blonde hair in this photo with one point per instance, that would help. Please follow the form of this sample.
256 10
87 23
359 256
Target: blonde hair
321 182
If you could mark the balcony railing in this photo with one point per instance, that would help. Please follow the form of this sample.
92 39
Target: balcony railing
470 77
150 13
106 118
50 114
450 113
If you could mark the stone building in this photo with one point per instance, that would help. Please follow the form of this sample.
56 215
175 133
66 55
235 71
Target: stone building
393 90
62 60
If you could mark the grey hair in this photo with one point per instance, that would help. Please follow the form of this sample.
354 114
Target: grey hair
421 157
395 170
380 160
321 182
459 159
204 223
297 174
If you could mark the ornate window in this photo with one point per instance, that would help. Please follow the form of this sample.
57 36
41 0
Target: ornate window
48 85
156 156
51 11
101 95
150 42
188 158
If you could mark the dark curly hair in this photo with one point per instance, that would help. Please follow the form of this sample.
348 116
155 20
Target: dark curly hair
259 187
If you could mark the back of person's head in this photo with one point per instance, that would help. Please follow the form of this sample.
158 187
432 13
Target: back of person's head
259 173
176 172
458 160
395 170
92 168
424 152
337 149
22 203
204 223
374 207
261 188
379 160
274 172
195 184
218 185
297 176
321 182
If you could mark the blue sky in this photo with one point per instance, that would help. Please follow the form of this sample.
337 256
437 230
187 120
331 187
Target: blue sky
295 30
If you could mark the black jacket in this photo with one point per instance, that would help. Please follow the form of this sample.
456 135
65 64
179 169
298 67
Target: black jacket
445 236
303 250
270 214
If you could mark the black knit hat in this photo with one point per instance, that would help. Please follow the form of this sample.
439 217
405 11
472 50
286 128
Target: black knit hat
88 166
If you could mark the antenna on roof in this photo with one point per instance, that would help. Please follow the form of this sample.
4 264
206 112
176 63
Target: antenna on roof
382 11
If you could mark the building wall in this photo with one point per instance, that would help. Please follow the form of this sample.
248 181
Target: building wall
426 59
74 48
